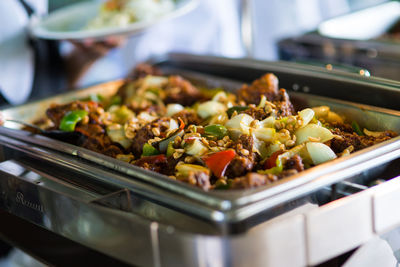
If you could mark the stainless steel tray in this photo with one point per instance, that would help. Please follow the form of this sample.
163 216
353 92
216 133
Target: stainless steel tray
232 207
125 226
353 39
146 219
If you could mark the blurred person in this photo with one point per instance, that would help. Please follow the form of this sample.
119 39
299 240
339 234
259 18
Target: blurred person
211 28
16 55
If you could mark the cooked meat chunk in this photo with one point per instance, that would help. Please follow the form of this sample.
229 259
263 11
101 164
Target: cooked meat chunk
244 161
257 113
188 117
253 179
239 166
156 163
344 127
91 130
245 142
102 144
56 112
296 163
267 85
283 104
181 91
344 139
143 135
112 150
146 133
200 179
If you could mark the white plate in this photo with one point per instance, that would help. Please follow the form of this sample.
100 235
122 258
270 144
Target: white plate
67 23
362 25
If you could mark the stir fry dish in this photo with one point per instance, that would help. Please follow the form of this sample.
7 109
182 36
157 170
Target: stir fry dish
121 13
210 138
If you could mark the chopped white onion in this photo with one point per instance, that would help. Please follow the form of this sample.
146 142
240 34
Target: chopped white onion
154 81
220 97
173 109
320 153
145 116
268 122
306 115
265 134
117 134
173 124
275 146
263 101
312 131
196 148
371 133
210 108
240 122
321 112
333 117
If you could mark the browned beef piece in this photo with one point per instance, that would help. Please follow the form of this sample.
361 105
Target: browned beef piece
56 112
143 69
246 142
156 163
345 140
170 169
200 179
283 104
241 163
239 166
90 130
181 91
257 113
370 140
145 133
102 143
253 179
113 150
188 117
344 127
266 85
295 162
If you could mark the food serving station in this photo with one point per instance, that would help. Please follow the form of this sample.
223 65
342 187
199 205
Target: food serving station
145 219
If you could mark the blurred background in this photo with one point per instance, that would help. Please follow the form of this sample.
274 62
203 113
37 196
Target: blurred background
231 28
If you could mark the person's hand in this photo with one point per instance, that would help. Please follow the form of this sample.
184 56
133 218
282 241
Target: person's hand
85 53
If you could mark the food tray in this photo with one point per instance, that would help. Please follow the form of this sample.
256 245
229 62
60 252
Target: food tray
238 206
146 219
352 39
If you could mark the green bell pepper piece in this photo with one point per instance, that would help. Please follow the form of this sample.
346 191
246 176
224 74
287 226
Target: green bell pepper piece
149 150
216 130
356 128
71 118
274 170
170 149
94 97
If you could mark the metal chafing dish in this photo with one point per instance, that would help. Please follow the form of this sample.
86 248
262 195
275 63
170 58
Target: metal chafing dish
146 219
357 39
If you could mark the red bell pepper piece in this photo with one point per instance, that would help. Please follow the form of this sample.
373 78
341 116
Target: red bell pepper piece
218 162
181 124
154 159
271 161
